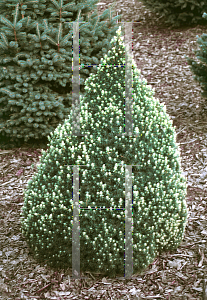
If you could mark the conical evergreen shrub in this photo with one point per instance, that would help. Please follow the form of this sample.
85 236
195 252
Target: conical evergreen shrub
36 53
159 188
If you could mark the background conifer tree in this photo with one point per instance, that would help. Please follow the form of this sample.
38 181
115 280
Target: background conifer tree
200 69
178 13
36 61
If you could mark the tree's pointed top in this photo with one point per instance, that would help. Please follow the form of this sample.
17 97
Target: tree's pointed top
104 103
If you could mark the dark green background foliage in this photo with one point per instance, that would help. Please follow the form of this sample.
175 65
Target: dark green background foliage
200 69
159 188
36 61
178 13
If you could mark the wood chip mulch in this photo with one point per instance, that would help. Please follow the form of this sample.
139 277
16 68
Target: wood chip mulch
181 274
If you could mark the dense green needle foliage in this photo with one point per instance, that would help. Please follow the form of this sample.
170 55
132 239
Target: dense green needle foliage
159 188
36 56
178 13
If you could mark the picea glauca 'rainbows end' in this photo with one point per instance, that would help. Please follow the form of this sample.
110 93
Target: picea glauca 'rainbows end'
159 189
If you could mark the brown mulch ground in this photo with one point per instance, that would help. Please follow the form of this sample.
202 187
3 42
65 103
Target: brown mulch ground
181 274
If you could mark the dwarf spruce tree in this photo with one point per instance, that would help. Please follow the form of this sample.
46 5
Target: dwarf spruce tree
102 152
36 56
